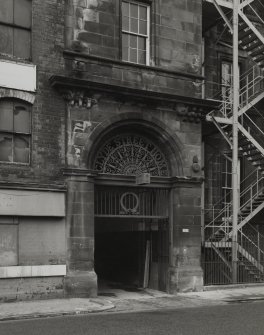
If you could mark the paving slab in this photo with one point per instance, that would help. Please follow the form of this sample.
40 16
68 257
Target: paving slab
52 307
229 294
120 300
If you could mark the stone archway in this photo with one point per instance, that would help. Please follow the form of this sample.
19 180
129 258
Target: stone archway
131 150
83 189
151 128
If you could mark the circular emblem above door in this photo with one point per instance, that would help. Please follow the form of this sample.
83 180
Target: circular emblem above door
129 203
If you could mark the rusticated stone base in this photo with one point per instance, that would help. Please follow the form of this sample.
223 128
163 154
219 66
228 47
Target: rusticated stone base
19 289
81 284
186 279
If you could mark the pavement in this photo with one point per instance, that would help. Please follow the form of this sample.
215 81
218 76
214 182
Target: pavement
116 300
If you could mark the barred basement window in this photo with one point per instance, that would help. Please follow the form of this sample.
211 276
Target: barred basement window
15 28
135 32
15 131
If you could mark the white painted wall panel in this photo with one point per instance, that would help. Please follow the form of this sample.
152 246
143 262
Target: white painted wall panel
18 76
32 271
31 203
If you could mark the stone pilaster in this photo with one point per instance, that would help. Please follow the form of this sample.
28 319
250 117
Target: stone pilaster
81 280
185 267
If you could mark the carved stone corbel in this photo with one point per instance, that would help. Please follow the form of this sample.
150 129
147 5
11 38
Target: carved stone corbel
80 98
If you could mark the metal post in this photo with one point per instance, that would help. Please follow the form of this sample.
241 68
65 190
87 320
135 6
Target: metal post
258 243
235 184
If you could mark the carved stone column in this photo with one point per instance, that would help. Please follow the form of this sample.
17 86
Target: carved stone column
81 280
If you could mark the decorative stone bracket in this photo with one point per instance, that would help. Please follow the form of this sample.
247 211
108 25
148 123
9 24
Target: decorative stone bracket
189 113
85 93
79 98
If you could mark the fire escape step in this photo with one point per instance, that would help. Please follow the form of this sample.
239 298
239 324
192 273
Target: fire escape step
255 43
255 160
250 43
247 146
256 155
257 51
246 34
244 142
258 58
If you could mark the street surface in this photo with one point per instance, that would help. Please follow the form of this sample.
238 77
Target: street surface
235 318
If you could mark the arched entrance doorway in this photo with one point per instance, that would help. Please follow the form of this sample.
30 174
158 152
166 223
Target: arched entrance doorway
132 214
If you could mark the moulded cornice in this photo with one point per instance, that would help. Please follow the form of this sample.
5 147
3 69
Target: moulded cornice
79 91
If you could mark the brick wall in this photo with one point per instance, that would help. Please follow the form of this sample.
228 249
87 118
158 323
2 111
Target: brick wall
48 113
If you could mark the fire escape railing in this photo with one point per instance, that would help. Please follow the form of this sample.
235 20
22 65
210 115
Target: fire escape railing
219 231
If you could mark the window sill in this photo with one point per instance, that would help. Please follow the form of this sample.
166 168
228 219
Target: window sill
14 164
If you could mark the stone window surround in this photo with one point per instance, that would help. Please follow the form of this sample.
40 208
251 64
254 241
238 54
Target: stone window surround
14 133
9 93
146 37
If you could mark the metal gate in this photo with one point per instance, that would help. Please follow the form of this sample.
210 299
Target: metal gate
131 202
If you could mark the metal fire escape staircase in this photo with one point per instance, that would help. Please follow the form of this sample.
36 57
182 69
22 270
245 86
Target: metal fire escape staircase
218 232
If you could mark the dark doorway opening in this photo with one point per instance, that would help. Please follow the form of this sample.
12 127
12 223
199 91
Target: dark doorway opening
131 253
132 236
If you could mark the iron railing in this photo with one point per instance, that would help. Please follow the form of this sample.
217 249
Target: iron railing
218 265
131 202
221 220
251 84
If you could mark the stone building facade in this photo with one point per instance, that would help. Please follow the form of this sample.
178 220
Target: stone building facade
101 168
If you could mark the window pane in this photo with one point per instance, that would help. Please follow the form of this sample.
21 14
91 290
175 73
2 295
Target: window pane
5 148
133 41
6 40
125 54
143 12
133 55
133 10
143 27
21 119
6 115
21 149
141 43
22 13
134 25
6 12
141 57
125 40
125 23
125 9
226 73
22 43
